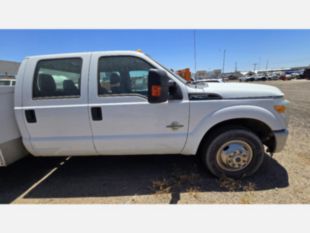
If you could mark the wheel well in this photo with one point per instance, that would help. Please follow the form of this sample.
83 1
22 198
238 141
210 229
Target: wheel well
262 130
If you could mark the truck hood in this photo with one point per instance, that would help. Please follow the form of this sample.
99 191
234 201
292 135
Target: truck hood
236 90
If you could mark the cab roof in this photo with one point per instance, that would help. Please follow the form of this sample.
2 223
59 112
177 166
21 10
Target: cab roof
112 53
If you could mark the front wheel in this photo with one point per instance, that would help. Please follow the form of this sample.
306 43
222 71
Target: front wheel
233 152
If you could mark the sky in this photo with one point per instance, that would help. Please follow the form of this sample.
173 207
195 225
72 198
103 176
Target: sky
173 48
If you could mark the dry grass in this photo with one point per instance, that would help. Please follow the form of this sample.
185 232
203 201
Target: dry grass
177 181
249 187
232 185
229 184
161 186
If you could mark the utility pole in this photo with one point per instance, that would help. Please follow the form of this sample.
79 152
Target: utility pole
236 66
254 64
224 56
267 64
195 60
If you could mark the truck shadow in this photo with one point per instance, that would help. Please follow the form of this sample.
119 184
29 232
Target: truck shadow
20 176
125 176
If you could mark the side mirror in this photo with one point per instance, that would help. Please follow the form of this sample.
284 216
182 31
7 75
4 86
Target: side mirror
175 92
157 86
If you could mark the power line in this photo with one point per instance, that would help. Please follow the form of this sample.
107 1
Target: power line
195 59
224 56
254 66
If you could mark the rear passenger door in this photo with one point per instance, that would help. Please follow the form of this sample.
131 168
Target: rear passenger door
55 106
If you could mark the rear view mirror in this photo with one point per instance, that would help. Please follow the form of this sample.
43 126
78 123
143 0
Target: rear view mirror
157 86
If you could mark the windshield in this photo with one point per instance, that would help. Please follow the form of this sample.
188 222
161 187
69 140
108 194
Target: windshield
168 70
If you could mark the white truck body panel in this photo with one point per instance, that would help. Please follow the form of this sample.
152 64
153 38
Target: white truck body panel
242 90
11 147
204 118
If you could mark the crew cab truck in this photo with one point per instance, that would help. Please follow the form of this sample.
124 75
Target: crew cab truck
126 103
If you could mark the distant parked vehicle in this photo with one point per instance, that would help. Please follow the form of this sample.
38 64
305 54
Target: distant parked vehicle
260 78
300 77
232 77
275 77
295 75
286 77
242 79
7 82
247 79
306 74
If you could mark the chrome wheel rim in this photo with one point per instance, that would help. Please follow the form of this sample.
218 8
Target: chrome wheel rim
234 155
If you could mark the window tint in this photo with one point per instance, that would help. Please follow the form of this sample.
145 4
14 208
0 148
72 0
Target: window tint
4 82
104 80
122 75
57 78
138 79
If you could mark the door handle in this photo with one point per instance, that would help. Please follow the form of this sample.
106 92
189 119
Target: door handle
30 116
96 113
175 125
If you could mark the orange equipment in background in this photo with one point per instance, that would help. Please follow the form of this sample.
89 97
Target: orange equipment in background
185 73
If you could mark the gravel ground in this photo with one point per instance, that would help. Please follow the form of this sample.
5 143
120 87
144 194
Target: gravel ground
285 178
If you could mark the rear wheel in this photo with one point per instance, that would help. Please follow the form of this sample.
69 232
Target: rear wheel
233 152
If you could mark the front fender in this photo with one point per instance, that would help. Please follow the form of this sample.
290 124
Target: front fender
197 132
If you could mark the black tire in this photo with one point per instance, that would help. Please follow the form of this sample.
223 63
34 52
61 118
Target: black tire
212 146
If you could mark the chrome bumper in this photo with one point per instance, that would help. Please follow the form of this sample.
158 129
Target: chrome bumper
280 139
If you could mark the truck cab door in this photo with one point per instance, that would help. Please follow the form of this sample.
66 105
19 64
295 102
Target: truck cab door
122 120
55 106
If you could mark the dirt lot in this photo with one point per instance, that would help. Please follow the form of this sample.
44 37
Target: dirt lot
285 178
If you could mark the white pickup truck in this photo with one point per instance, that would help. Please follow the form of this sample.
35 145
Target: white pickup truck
125 103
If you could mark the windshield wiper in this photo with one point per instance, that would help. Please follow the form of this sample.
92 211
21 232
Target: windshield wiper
195 82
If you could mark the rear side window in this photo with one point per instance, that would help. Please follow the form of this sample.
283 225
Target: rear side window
58 78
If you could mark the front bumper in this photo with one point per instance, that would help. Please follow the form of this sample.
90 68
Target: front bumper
280 139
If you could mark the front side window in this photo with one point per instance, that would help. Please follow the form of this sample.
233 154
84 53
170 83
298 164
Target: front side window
122 75
57 78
